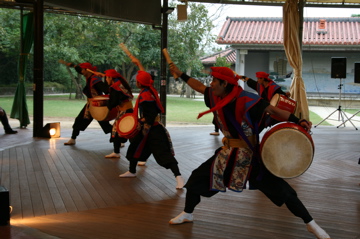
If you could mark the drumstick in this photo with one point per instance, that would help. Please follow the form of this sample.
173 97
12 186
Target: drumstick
63 62
237 75
69 64
131 56
168 60
127 52
96 73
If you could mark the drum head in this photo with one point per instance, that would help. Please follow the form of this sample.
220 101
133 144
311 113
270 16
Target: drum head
99 112
127 124
287 152
274 100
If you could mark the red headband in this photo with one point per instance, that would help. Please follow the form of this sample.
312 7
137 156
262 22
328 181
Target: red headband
224 73
112 73
262 74
144 78
87 65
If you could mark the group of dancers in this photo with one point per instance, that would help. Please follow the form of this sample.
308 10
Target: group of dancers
152 138
240 115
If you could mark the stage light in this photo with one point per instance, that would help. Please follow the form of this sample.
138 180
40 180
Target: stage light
51 130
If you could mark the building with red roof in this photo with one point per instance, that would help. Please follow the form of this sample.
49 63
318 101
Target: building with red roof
256 44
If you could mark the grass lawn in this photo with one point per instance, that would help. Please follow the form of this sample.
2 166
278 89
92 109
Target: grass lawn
178 109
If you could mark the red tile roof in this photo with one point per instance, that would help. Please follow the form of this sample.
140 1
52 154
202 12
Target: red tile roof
316 31
229 53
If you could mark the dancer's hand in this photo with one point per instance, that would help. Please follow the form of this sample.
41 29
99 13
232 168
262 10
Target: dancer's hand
305 124
174 70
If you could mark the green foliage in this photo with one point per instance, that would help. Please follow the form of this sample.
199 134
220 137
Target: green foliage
84 39
9 45
221 61
188 40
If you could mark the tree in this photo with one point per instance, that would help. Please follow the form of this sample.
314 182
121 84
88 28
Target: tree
9 45
77 39
221 61
85 39
188 40
97 41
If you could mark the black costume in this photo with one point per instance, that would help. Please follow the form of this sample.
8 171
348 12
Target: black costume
276 189
121 98
155 141
94 87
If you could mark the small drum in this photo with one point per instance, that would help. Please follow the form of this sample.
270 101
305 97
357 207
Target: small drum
287 150
99 110
128 126
283 102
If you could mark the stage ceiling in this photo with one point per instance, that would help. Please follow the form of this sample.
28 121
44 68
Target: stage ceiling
148 11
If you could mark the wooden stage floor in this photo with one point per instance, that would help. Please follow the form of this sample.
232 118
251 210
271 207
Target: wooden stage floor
73 192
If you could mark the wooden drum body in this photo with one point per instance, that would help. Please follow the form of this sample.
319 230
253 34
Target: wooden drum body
128 126
283 102
287 150
99 110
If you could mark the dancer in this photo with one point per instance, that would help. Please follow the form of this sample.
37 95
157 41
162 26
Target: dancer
94 87
5 122
137 62
238 113
120 97
266 88
153 138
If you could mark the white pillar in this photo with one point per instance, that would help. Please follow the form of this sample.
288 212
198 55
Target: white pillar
240 63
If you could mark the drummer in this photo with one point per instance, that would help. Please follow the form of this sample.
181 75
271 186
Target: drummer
153 138
238 113
94 87
120 97
266 88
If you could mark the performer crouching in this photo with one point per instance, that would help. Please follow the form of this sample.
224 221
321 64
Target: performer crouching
94 87
154 138
239 114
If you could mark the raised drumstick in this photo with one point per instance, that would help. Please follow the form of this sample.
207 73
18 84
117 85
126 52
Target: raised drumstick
96 73
69 64
168 60
63 62
127 52
132 57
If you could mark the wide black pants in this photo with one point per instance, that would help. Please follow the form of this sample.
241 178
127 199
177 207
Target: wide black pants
81 123
276 189
158 144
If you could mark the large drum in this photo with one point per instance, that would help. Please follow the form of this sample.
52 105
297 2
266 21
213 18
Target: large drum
283 102
99 110
287 150
128 126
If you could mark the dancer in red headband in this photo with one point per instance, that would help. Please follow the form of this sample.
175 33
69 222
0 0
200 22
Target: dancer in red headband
120 96
94 87
153 138
266 88
238 113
